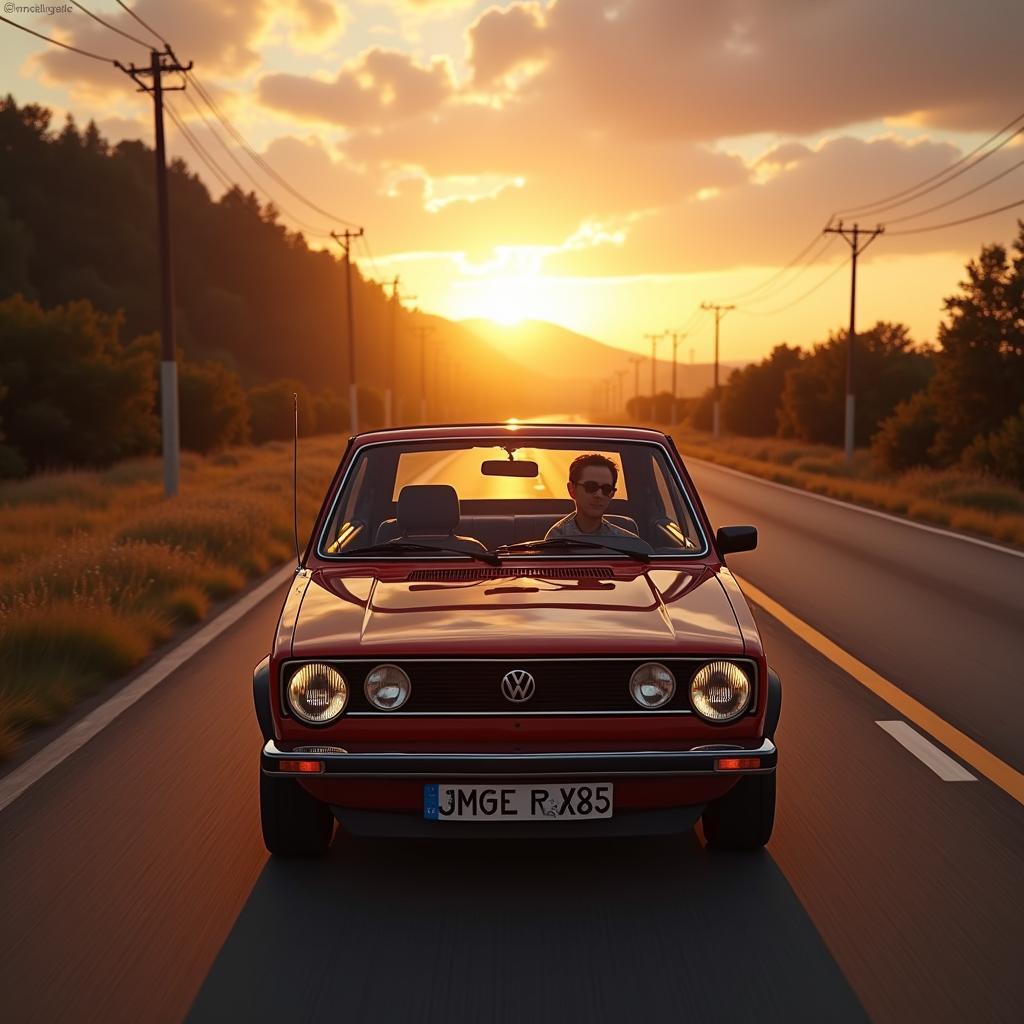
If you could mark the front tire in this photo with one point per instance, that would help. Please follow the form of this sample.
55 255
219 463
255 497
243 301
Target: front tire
294 823
743 818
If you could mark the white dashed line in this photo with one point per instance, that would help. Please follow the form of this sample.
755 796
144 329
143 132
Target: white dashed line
927 753
13 785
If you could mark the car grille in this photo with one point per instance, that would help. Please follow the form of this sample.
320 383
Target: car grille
576 685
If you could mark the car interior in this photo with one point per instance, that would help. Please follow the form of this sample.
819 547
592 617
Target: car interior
432 510
435 511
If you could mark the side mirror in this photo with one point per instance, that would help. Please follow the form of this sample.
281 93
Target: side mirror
730 539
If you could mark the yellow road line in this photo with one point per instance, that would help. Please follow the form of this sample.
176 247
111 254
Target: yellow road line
1007 778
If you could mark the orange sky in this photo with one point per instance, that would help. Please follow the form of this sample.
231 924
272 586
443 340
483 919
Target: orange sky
604 164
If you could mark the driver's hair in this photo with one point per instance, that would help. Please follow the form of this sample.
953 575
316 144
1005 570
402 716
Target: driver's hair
581 462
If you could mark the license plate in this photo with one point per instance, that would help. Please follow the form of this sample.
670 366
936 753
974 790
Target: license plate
528 802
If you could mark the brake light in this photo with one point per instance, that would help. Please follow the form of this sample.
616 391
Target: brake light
736 764
305 767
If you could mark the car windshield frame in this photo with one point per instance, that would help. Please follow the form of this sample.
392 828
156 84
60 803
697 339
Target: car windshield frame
523 441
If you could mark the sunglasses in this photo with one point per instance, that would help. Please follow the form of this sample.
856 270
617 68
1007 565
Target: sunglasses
592 487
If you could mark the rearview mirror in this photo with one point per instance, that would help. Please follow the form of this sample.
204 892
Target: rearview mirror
736 538
505 467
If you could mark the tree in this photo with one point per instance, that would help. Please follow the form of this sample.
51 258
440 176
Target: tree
330 412
213 407
888 366
272 411
1002 452
701 410
979 368
905 438
751 398
75 394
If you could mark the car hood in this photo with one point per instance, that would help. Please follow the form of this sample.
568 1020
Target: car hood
657 610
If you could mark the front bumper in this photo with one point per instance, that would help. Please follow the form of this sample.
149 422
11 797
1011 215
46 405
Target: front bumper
699 760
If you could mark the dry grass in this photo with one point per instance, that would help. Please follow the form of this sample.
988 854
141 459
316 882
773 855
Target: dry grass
96 569
953 498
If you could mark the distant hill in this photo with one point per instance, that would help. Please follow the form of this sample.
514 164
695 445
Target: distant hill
557 352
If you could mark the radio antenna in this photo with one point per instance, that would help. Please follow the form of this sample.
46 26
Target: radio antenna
295 482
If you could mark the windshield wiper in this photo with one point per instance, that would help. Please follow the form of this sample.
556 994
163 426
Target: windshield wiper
407 545
562 542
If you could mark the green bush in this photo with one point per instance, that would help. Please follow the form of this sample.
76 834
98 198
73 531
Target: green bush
1000 453
272 411
904 439
213 408
74 394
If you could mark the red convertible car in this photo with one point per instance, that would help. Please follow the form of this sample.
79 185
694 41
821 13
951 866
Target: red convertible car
476 644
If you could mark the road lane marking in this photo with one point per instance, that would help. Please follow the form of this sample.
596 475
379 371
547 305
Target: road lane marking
927 753
1006 777
850 506
26 775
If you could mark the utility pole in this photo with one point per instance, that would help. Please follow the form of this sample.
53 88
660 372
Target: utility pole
438 393
852 238
389 394
720 311
636 361
622 404
653 339
677 336
423 331
159 65
399 406
344 239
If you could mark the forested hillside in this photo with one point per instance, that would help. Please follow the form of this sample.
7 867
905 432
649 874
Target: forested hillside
252 299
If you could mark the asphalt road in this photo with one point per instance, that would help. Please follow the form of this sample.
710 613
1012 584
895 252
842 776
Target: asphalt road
135 886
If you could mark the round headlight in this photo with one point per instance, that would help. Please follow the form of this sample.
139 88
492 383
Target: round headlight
317 693
387 687
720 691
652 685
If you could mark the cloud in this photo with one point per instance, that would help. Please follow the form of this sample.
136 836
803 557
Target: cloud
318 24
220 38
379 87
115 129
502 40
755 223
704 71
588 130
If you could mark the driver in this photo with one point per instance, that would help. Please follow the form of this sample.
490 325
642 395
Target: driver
592 480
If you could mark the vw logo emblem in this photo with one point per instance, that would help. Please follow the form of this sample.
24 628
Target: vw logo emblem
517 685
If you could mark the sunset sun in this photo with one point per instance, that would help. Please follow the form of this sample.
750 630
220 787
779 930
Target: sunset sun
505 300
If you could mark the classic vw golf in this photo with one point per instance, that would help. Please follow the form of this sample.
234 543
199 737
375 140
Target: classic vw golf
441 667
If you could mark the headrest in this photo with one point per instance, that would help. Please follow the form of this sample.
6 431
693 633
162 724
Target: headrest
428 509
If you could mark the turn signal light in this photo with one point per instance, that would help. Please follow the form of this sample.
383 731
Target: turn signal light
733 764
306 767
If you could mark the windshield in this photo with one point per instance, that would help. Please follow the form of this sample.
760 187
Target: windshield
487 495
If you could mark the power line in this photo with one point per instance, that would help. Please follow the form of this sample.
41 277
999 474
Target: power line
956 199
795 302
112 28
240 139
943 177
199 149
694 317
811 261
369 254
955 223
142 23
816 240
66 46
317 232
